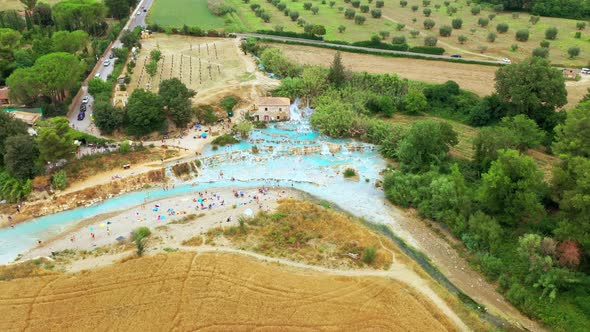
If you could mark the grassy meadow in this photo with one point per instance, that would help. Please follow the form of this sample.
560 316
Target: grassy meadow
176 13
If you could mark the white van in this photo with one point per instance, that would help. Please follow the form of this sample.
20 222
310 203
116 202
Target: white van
585 71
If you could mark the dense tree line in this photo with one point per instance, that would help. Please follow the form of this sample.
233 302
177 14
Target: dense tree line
555 8
527 233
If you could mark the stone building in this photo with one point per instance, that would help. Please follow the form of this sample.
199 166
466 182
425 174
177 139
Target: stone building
272 109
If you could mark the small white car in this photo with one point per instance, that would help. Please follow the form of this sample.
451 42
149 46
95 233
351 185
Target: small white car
85 100
106 62
585 71
506 60
97 75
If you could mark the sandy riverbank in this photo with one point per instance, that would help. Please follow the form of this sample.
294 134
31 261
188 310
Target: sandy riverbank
166 212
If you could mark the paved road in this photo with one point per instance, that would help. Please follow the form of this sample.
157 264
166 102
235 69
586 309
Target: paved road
137 18
350 47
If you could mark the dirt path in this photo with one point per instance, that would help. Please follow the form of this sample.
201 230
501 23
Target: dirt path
456 268
447 45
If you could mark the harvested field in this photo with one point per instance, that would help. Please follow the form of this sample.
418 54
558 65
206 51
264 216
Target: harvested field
200 63
188 291
17 5
472 77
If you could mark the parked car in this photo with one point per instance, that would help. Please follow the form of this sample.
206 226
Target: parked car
458 56
85 100
81 116
106 62
97 75
83 108
111 56
506 60
145 10
585 71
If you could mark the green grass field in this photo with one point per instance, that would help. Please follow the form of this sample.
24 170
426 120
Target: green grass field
176 13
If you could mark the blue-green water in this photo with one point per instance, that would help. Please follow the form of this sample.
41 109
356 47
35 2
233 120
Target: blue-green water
291 155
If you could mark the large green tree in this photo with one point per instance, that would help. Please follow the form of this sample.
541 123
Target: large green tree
9 126
87 15
106 117
337 74
571 180
176 98
119 8
534 88
145 113
70 42
55 141
427 144
512 189
20 156
52 75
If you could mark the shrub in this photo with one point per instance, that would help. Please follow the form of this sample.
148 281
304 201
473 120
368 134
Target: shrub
341 28
491 37
125 147
364 9
315 10
265 17
457 23
375 39
445 30
483 22
522 35
355 3
403 3
369 255
425 3
578 35
384 34
59 180
349 172
429 24
514 47
447 3
475 10
379 3
427 50
541 52
399 40
427 12
400 26
462 39
544 43
502 27
551 33
534 19
482 48
139 236
294 15
281 6
451 10
359 19
279 28
332 3
307 5
376 13
515 15
224 140
491 16
581 25
430 41
414 8
414 33
573 51
349 13
499 8
300 22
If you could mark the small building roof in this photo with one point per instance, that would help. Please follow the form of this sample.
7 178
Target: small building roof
4 90
274 101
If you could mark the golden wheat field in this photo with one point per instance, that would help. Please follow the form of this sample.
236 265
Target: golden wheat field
212 292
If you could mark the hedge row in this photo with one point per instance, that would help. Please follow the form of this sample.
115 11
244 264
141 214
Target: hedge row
290 34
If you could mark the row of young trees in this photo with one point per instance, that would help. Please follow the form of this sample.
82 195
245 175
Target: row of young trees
528 234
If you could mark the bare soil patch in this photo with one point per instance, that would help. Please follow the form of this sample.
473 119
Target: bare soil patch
188 291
